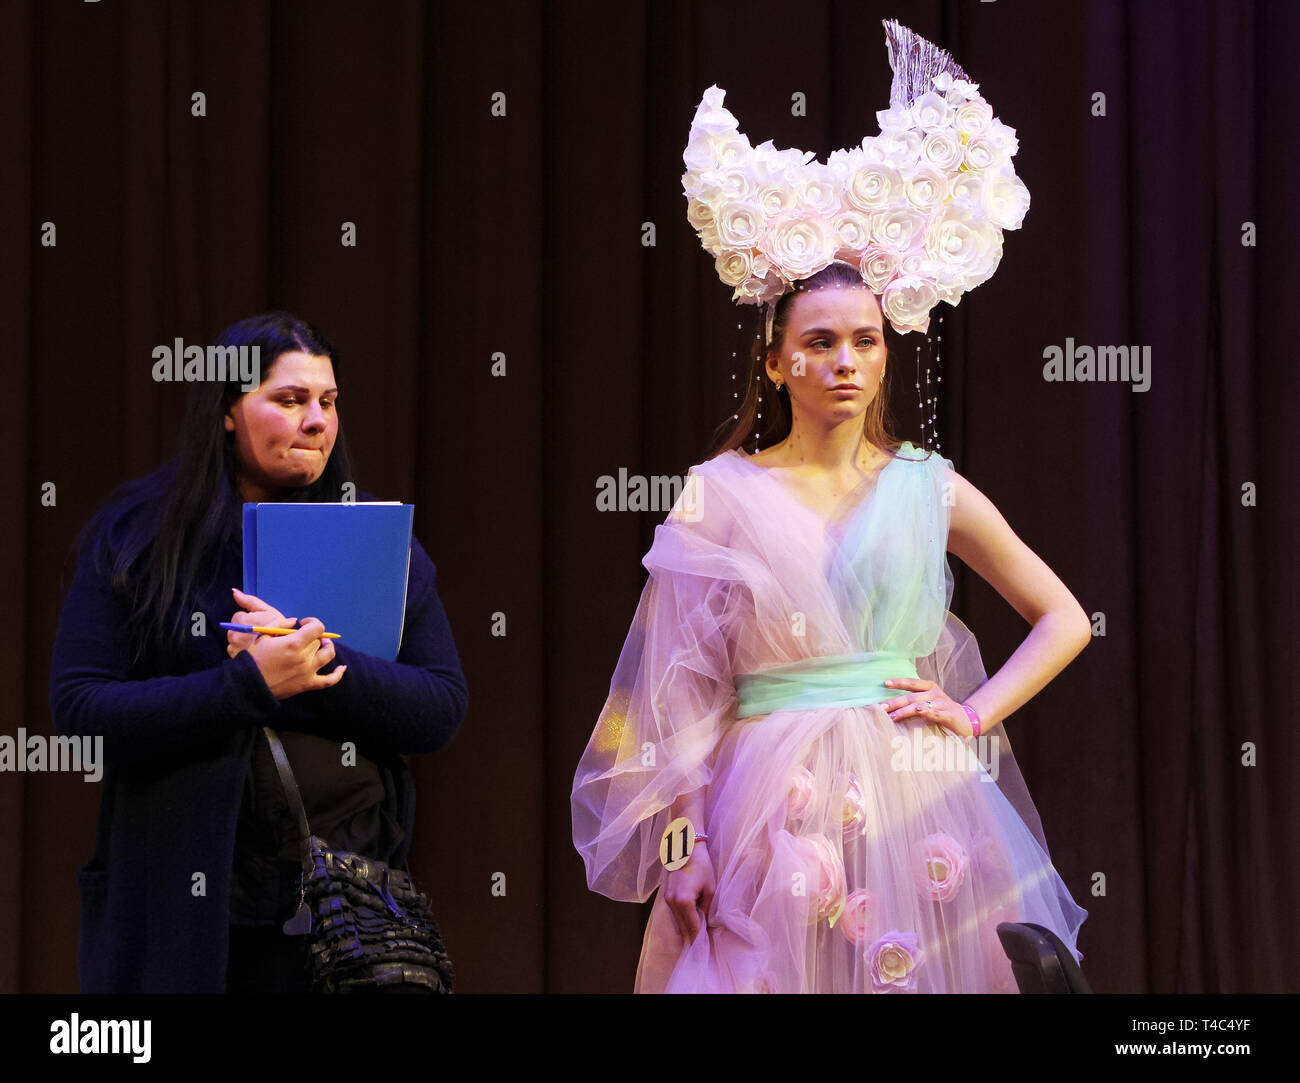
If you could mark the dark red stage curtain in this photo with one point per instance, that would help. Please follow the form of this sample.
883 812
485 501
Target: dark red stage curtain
500 163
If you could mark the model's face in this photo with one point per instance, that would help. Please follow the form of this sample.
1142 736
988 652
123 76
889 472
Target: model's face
832 357
285 430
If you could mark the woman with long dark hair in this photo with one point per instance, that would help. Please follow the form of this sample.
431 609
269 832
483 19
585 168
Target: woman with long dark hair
800 751
196 866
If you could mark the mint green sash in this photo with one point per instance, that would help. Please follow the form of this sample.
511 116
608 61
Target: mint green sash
846 680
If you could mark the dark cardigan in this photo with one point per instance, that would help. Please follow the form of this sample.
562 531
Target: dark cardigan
177 743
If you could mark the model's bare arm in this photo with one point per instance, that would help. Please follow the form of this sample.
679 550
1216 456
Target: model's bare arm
980 536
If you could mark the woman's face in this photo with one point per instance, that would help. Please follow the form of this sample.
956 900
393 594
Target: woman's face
285 430
832 356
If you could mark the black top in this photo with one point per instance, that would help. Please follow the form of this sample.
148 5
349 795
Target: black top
344 798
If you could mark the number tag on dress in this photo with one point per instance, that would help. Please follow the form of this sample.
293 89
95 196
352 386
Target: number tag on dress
676 845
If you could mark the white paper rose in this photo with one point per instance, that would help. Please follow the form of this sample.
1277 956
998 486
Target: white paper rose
931 111
897 228
732 150
926 189
895 118
736 184
853 230
844 163
879 266
907 301
974 276
961 243
901 148
756 290
699 214
982 153
740 223
709 238
973 117
772 166
711 186
765 164
950 287
918 264
1003 137
734 266
941 150
873 186
699 155
967 191
711 116
818 190
1005 200
800 244
776 199
873 151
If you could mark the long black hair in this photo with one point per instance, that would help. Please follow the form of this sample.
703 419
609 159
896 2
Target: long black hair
161 537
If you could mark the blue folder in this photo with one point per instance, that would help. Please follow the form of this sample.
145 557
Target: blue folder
346 564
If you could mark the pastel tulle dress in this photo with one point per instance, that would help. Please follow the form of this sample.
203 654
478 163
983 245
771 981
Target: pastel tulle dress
851 853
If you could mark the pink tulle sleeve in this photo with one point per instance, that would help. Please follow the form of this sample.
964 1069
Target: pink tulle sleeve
671 694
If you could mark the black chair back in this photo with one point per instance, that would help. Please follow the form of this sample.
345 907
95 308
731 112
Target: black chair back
1040 962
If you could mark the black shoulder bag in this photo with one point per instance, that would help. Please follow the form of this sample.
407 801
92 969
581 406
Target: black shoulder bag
371 928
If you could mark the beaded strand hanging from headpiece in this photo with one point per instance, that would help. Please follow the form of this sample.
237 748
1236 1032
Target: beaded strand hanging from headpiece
928 405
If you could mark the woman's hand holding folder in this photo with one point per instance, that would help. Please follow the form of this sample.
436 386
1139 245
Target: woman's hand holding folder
289 664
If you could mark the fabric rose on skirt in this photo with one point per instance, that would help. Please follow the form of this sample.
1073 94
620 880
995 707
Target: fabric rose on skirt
940 867
823 877
859 920
1004 980
893 960
803 787
853 808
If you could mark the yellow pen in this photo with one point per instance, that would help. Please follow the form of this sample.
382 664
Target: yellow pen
273 631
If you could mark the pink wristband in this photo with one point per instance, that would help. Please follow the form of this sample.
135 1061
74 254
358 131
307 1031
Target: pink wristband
974 720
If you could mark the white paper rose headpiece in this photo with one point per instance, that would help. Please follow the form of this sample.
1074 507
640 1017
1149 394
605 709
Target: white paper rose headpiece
919 209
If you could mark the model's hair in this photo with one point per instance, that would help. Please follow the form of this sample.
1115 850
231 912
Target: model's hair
774 425
160 538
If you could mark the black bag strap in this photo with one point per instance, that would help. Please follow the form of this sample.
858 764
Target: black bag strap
289 782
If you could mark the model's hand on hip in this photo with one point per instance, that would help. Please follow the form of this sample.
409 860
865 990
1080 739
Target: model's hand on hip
926 702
